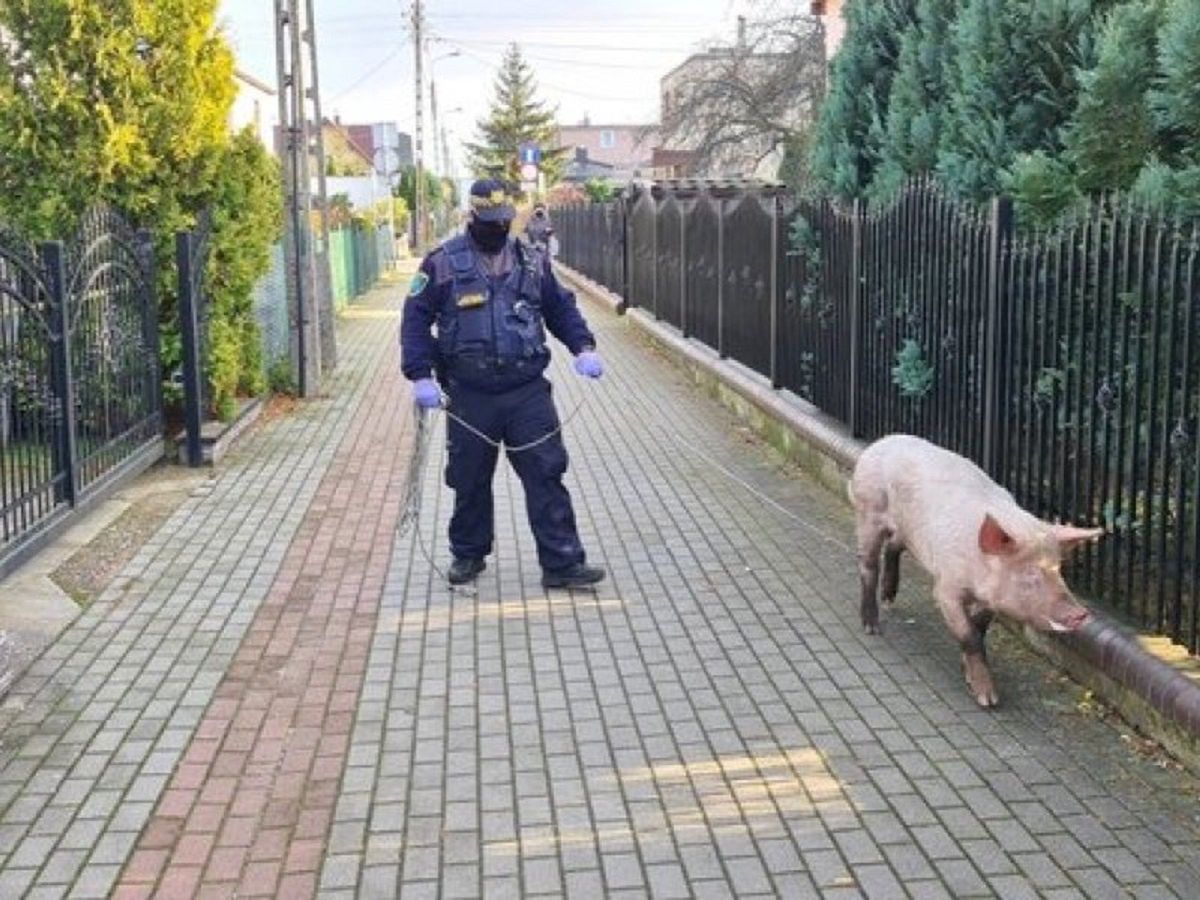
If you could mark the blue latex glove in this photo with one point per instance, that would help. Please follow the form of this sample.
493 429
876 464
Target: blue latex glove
589 364
427 393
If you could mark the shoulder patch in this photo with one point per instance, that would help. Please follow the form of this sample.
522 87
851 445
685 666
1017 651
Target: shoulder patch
418 283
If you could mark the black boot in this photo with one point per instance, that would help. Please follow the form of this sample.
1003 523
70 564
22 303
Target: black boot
578 575
464 570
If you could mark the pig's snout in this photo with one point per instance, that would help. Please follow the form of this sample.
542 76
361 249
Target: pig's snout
1071 620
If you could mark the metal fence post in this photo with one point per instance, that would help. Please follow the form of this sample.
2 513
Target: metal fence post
623 212
188 332
653 201
776 382
66 450
857 297
720 204
1000 223
683 251
145 247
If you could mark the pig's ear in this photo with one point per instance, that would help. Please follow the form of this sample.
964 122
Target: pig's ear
993 539
1069 537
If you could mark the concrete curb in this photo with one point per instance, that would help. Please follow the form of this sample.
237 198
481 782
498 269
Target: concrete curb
218 438
1158 699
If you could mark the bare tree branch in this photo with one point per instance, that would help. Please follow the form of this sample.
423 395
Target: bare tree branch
732 107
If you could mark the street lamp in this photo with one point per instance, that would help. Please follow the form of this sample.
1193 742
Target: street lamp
445 145
433 96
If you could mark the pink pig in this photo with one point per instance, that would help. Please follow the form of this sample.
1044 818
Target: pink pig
985 553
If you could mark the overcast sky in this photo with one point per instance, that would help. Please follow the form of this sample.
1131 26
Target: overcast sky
599 59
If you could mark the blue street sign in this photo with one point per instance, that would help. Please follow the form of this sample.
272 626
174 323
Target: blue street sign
530 154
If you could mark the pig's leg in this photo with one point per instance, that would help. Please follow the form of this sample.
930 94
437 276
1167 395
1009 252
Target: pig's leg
891 572
969 632
871 537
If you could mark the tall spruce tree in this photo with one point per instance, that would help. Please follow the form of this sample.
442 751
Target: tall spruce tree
516 116
1112 133
918 97
852 127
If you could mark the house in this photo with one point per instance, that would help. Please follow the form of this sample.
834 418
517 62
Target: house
831 14
696 105
668 163
581 168
255 105
388 148
345 154
625 150
745 159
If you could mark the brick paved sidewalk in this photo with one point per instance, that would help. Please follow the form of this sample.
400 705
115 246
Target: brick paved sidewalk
278 698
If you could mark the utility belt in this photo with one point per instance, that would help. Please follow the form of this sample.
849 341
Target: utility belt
482 371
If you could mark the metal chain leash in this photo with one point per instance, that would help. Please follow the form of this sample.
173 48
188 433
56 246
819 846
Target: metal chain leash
519 448
425 426
410 515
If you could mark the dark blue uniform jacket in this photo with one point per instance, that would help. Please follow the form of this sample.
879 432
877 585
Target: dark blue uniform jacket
490 332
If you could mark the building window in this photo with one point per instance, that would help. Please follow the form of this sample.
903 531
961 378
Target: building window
608 138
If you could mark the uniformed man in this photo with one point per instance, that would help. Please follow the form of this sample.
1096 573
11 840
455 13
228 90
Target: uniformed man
491 298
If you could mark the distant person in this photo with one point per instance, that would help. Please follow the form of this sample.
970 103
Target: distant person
492 298
539 232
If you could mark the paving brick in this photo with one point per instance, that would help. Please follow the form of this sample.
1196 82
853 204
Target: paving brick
291 698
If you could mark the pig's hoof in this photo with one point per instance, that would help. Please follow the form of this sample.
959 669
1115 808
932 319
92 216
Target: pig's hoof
984 692
987 699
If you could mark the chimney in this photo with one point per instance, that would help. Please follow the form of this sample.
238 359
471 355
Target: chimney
741 33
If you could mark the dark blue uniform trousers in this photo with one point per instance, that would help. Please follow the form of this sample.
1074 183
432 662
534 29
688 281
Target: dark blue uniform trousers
516 417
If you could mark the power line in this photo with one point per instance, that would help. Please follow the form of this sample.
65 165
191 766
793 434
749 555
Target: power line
366 75
587 64
495 67
599 48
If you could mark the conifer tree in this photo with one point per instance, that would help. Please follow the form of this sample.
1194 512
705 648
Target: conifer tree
1176 99
124 102
127 103
1013 85
516 116
1112 133
918 97
851 129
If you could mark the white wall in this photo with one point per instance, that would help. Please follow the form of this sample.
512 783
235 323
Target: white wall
254 106
358 187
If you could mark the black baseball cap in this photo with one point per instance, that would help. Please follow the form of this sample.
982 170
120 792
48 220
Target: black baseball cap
491 202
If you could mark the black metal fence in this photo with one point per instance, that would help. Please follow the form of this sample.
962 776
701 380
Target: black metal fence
195 310
80 393
1066 362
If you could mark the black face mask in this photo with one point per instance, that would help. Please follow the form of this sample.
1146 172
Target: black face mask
488 236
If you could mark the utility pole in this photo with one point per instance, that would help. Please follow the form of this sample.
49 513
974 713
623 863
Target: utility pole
324 279
445 154
433 135
419 214
294 143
